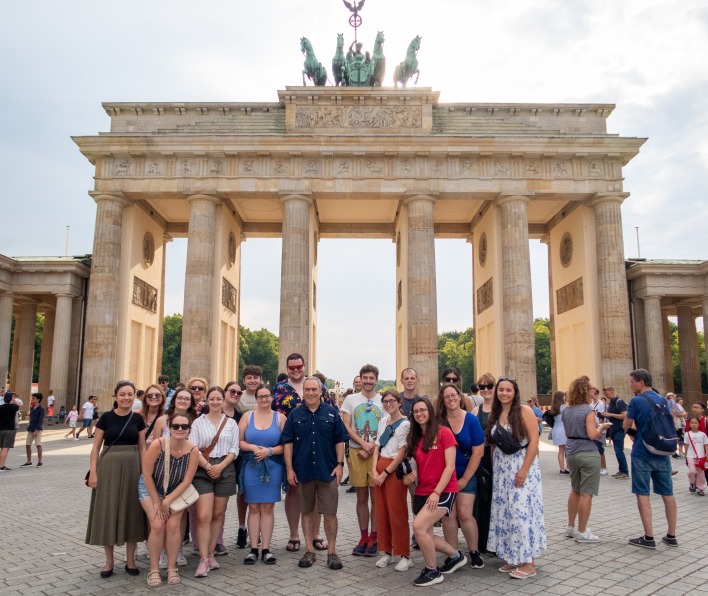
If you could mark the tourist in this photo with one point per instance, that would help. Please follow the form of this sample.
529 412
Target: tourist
558 435
474 397
615 413
198 386
391 503
517 533
262 473
87 415
152 410
138 404
313 438
532 403
361 413
580 422
647 466
697 441
679 415
453 375
34 429
165 526
216 437
115 514
50 407
8 421
232 408
164 382
450 411
251 379
409 380
61 416
71 419
698 409
434 449
599 408
483 500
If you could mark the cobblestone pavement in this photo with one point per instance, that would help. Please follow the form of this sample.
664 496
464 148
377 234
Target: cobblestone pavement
44 514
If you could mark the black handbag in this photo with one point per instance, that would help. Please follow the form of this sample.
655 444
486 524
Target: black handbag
505 441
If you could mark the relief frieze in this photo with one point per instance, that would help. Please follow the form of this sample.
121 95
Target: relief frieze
359 117
485 295
229 296
144 295
570 296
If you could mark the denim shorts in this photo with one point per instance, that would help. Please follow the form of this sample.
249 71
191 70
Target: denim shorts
656 469
470 487
143 491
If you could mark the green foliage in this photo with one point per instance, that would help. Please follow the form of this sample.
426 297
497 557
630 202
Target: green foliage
456 348
384 384
38 330
171 347
261 348
542 333
676 361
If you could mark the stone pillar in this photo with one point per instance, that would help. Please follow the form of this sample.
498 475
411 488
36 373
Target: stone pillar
705 326
640 333
519 341
295 278
613 303
62 340
161 325
25 352
688 354
655 342
422 294
98 376
45 355
15 350
5 333
551 315
200 285
668 357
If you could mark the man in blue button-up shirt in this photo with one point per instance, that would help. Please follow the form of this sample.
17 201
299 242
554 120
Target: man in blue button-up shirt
314 438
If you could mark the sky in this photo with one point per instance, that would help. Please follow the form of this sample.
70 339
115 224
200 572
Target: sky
62 59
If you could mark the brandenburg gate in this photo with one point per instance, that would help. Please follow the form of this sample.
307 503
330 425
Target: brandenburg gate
359 162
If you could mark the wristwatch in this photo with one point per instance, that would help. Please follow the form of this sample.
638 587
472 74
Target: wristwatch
340 463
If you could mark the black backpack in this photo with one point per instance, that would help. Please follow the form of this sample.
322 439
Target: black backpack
659 435
549 418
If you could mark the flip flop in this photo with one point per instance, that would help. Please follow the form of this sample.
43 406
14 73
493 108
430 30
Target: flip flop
293 546
319 544
506 568
518 574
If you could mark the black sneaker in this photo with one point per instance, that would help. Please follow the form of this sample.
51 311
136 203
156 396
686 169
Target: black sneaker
351 489
242 538
476 560
643 542
564 473
692 488
453 564
414 544
669 541
220 550
344 482
675 456
428 577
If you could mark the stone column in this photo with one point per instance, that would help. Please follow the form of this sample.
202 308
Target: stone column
551 314
200 285
25 352
519 341
5 333
161 326
613 303
45 355
668 357
98 376
15 350
62 340
655 342
295 278
422 294
688 354
704 301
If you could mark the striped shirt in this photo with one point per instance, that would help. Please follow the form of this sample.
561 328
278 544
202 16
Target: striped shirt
203 433
178 470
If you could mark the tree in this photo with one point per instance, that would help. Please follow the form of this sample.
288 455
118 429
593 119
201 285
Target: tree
261 348
456 349
542 333
172 347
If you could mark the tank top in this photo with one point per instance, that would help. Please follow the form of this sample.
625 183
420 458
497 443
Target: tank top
270 437
178 469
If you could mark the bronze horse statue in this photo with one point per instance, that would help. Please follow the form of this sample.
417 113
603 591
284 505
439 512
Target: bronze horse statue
339 63
409 67
312 68
378 61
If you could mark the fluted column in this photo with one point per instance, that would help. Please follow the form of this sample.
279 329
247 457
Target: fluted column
519 341
295 278
655 342
161 326
60 352
15 349
668 357
200 285
25 351
422 293
688 354
705 323
98 376
615 332
5 335
45 355
551 316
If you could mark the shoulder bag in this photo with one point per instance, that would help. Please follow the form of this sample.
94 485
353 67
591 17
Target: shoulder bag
503 439
209 448
189 495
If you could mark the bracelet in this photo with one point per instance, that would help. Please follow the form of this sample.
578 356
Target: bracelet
270 451
386 472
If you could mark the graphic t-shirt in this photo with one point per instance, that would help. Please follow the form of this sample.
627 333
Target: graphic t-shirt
696 444
431 465
366 414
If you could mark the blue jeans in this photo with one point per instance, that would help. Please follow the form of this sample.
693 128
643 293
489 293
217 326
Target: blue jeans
618 444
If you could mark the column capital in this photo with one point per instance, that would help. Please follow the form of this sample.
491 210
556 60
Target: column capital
203 197
64 295
296 196
413 197
546 239
100 197
505 198
614 197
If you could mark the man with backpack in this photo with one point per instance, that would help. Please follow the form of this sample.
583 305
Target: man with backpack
615 412
654 442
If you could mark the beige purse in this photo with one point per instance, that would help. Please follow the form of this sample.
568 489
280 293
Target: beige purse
189 495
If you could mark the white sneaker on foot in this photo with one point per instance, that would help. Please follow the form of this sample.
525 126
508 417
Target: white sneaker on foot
383 561
403 565
162 563
181 559
604 472
570 532
586 536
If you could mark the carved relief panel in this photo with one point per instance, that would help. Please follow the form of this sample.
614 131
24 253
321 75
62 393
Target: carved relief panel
570 296
485 295
229 296
144 295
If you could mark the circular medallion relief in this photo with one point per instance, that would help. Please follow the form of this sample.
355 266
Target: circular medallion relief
483 249
148 249
232 249
566 249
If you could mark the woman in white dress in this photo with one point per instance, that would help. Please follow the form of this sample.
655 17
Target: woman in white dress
558 432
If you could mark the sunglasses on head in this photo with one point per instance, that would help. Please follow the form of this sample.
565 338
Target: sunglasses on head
510 379
180 426
485 386
451 379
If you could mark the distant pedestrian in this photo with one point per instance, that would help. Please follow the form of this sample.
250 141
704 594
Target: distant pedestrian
86 415
615 413
697 441
71 419
34 429
8 420
558 432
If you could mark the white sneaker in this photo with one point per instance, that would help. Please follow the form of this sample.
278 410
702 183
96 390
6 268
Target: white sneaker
383 561
403 565
76 438
570 532
604 472
162 564
586 536
181 559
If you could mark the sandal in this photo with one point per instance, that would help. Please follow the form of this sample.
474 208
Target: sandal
293 546
319 544
250 559
154 579
519 574
506 568
173 577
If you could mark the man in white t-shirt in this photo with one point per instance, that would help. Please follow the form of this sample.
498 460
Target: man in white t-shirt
87 415
599 406
361 413
252 377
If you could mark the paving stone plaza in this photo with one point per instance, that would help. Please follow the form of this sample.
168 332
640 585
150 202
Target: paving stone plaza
44 521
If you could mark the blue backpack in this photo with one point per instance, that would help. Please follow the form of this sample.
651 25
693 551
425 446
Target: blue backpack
659 434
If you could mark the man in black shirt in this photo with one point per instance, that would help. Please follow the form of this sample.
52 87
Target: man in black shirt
8 424
616 412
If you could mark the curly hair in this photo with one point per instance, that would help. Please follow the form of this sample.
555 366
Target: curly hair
579 390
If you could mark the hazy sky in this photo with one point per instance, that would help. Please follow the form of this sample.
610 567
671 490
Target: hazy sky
62 59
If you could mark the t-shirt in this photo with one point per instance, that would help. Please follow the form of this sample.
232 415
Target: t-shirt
87 409
407 405
696 444
366 414
248 402
574 420
616 406
8 414
600 408
111 424
72 416
638 411
431 465
398 440
470 435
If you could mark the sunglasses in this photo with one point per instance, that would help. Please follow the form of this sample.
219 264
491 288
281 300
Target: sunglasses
486 387
451 379
296 367
369 403
153 396
234 392
180 426
164 382
196 388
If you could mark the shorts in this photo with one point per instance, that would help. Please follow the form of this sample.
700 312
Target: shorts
361 471
7 439
584 468
224 486
325 494
658 470
72 423
32 438
600 446
143 491
470 487
87 423
446 502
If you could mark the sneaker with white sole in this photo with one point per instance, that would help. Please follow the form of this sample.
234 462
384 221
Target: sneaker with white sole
181 559
586 536
453 563
162 564
428 577
383 561
476 560
570 532
404 564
